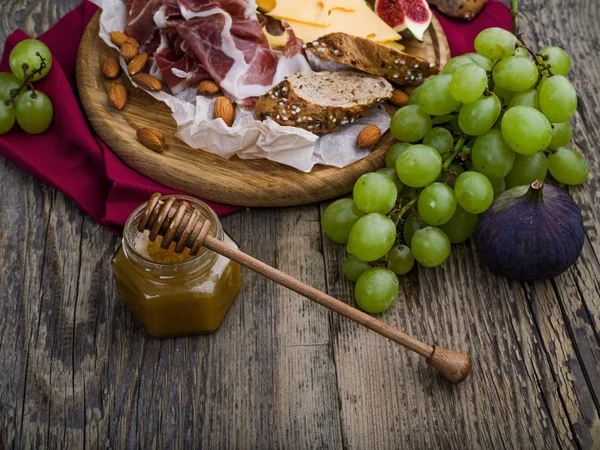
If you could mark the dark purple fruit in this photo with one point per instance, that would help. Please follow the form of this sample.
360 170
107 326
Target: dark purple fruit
530 233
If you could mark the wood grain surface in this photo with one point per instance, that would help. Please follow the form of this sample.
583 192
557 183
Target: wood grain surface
77 371
250 182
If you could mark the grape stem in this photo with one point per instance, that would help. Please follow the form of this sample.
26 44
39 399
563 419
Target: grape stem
404 209
27 81
457 147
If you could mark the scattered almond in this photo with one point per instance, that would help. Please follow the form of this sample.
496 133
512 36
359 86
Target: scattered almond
151 138
409 89
117 96
208 87
224 109
117 37
111 67
137 64
147 81
368 136
130 48
399 98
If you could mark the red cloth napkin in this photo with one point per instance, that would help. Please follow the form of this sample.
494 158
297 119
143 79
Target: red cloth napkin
69 155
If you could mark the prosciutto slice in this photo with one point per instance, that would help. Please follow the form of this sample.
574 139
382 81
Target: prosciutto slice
218 39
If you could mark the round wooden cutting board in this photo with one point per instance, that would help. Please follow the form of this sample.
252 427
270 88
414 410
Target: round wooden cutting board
256 182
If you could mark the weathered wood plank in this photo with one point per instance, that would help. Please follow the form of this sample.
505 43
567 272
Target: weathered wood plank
283 372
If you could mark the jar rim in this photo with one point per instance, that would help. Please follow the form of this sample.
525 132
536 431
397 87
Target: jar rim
130 233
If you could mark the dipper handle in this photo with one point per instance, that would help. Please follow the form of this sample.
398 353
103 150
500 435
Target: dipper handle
181 223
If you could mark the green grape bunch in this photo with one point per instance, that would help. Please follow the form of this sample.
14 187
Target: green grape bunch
492 120
30 60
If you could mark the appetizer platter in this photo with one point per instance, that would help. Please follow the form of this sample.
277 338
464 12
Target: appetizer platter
368 72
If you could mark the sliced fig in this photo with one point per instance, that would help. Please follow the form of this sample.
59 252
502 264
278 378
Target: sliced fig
413 15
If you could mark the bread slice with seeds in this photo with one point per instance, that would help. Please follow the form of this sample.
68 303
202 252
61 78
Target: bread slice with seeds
322 101
371 57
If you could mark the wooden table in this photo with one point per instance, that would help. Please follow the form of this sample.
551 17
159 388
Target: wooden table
76 369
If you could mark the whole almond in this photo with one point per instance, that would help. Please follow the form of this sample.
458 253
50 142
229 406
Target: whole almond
409 89
111 68
224 109
368 136
147 81
130 48
151 138
399 98
117 37
117 96
208 87
137 64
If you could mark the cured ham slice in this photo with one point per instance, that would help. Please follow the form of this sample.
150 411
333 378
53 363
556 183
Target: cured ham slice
218 39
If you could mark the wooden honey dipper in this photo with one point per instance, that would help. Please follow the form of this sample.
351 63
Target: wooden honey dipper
181 223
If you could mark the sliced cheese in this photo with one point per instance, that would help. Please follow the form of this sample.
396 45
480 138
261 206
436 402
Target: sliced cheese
361 22
312 12
395 45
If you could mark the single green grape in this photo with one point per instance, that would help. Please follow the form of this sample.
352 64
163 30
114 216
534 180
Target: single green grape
478 117
435 97
438 120
339 218
401 259
468 58
495 43
419 165
558 99
461 226
557 58
499 186
561 135
520 51
392 175
411 225
492 156
8 83
410 123
376 290
527 169
526 130
375 193
413 98
7 117
354 267
474 192
371 237
26 52
568 166
436 204
504 95
439 138
515 73
430 247
34 112
392 154
450 174
529 97
468 83
483 62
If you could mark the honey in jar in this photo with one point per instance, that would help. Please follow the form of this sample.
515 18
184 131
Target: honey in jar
174 294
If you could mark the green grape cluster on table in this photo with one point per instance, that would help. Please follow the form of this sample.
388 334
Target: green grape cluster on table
30 60
492 120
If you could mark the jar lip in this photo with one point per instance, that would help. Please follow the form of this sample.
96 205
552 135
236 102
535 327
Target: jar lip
130 232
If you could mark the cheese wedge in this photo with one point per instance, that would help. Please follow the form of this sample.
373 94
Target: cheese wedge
312 12
361 22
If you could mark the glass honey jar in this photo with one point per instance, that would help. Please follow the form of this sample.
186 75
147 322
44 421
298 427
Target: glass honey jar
175 294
